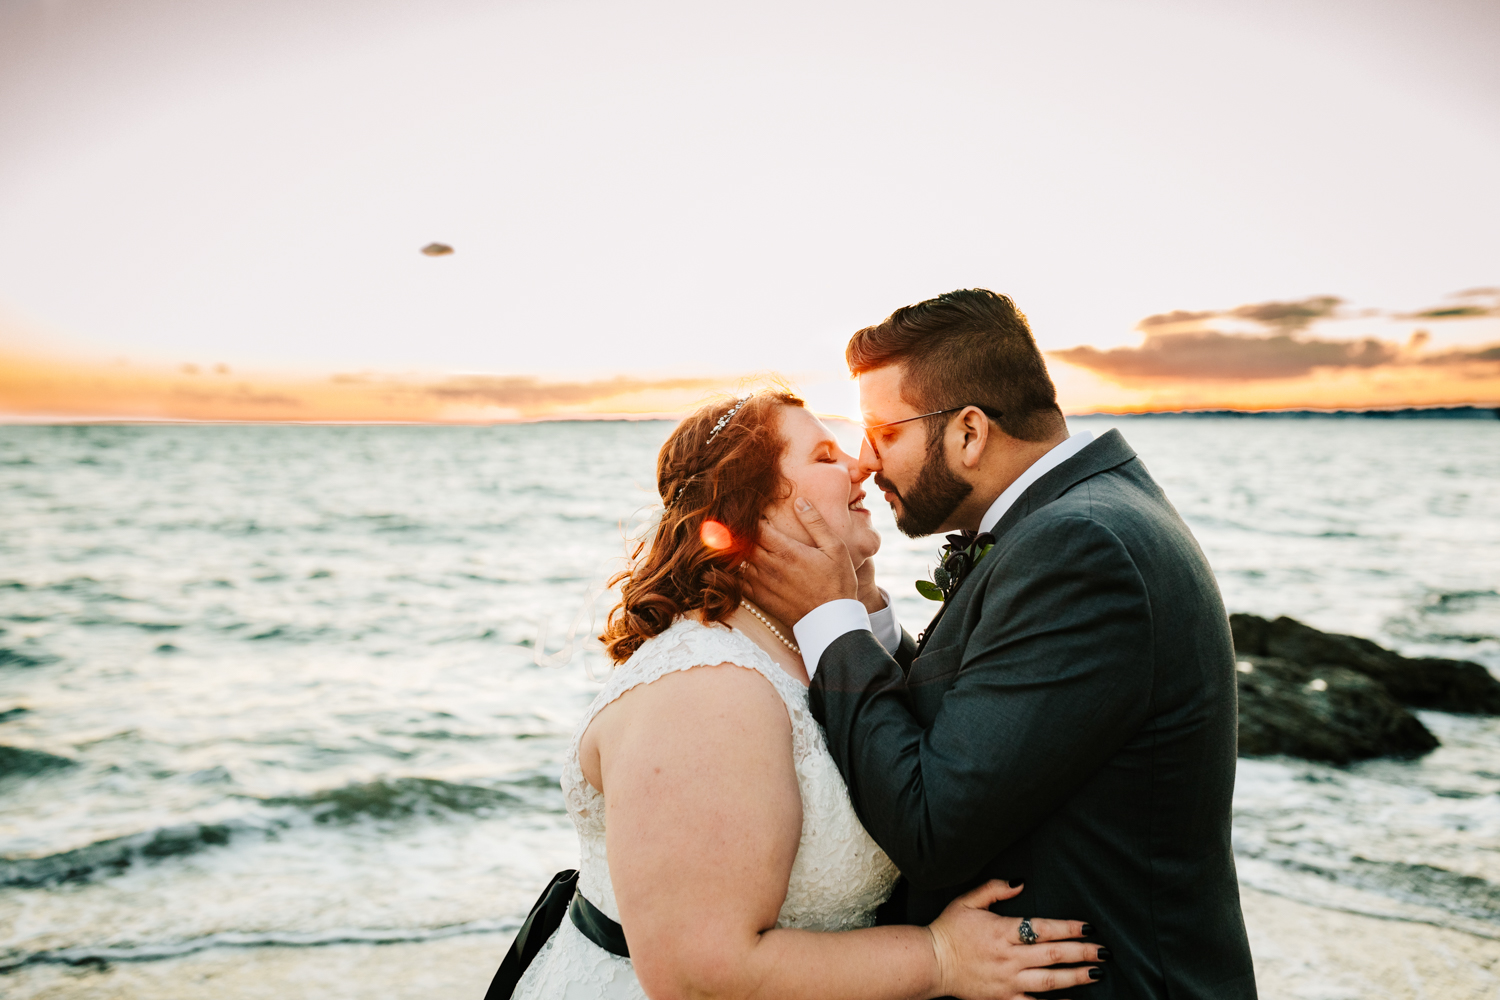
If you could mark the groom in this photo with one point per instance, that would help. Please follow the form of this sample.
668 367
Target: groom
1068 719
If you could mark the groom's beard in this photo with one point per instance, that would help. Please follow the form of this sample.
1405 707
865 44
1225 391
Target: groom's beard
932 499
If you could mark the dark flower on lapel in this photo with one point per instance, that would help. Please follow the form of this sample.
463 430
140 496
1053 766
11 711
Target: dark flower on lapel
957 559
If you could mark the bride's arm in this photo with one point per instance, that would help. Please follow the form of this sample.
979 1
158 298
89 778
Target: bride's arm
703 820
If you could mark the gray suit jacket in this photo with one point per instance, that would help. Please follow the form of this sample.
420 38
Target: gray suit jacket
1069 723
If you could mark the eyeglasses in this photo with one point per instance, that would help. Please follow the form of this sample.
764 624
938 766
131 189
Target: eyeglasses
993 414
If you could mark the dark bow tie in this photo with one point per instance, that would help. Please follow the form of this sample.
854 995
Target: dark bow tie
956 560
962 554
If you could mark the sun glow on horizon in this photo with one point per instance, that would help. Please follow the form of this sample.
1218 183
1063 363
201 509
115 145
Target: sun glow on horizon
35 388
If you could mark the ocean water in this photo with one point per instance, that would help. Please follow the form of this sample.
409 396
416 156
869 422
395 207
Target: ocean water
282 685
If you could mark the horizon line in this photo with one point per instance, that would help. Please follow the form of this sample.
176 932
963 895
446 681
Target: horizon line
1480 411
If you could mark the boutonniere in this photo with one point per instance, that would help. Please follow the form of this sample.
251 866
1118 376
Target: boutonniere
957 559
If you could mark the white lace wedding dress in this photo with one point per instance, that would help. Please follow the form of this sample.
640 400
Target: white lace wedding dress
838 878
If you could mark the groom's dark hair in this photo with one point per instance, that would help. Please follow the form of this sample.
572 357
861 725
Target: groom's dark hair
968 347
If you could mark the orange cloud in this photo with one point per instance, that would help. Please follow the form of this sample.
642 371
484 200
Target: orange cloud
1208 354
40 388
1280 315
1469 304
1387 386
1184 362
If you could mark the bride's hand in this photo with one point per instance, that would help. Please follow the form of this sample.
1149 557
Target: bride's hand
980 955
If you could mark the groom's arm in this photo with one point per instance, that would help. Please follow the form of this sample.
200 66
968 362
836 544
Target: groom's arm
815 632
906 652
1055 677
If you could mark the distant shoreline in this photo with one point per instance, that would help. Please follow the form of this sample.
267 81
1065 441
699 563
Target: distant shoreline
1405 413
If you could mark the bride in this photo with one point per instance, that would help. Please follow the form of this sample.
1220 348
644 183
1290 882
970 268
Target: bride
720 849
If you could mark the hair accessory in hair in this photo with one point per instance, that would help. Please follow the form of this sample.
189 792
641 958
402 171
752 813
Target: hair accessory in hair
725 418
678 495
711 434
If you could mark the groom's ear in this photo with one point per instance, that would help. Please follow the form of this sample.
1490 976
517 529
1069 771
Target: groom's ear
977 431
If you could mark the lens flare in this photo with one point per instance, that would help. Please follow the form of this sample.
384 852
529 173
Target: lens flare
715 535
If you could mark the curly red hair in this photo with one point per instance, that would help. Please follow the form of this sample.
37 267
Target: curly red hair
731 480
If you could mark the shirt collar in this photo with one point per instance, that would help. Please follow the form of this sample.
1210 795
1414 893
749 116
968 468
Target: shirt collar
1057 456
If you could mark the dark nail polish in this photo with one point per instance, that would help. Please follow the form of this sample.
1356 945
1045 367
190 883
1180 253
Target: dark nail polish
1096 973
1104 954
1088 930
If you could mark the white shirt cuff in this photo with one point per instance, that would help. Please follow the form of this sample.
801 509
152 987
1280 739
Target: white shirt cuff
822 625
885 626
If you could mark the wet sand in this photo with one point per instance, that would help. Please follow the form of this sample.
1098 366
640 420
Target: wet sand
1309 953
1301 953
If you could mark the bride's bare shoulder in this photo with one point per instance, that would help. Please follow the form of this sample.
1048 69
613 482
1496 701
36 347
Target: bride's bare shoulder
728 684
710 712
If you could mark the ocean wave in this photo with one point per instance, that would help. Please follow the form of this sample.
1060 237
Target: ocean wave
398 798
467 634
290 633
18 762
126 623
383 800
84 584
387 522
1209 523
16 658
1385 890
445 734
1441 602
1353 882
113 856
1424 885
1446 638
1454 617
104 955
481 578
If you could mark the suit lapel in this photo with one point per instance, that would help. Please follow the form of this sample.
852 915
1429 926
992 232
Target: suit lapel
1098 456
926 633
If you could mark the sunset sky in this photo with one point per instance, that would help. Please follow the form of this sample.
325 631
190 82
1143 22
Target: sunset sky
215 208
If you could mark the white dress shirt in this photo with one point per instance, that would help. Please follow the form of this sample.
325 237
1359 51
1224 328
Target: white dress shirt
822 625
883 623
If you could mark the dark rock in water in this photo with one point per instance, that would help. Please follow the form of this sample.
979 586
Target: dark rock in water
1325 713
1424 682
18 762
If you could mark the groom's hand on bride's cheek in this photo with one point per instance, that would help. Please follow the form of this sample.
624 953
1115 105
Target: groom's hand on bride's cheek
788 577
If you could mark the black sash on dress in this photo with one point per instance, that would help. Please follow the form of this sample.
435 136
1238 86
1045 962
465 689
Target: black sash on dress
597 927
560 897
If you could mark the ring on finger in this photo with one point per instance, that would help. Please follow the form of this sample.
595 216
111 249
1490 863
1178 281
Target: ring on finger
1027 933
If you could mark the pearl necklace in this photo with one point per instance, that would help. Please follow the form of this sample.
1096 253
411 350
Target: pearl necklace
767 623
